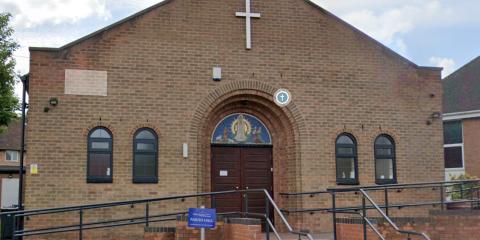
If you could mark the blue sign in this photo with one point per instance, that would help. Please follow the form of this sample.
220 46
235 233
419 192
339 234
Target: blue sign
202 218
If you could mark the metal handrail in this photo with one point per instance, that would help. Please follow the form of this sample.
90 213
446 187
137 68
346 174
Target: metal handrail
366 196
284 220
146 219
442 186
382 206
403 186
372 226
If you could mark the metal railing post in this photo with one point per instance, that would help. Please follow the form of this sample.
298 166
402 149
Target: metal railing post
147 214
334 215
245 198
267 217
80 230
14 226
442 197
364 210
461 191
214 203
387 209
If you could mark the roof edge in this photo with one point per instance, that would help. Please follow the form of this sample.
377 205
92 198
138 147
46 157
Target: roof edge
111 26
378 43
323 10
431 68
463 67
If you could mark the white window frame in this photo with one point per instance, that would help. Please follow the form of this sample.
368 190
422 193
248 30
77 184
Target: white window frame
463 152
18 155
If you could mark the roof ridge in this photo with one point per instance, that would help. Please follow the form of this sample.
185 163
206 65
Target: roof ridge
323 10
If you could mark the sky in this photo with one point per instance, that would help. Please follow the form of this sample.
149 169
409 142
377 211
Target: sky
442 33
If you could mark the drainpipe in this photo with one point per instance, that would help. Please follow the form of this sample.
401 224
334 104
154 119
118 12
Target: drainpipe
25 80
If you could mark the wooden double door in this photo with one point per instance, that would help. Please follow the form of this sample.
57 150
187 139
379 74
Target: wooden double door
241 168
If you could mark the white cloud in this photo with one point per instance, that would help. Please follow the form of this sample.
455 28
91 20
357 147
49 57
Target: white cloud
22 55
391 21
448 64
32 13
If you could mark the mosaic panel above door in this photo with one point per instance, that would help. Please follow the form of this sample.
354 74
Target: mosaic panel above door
241 128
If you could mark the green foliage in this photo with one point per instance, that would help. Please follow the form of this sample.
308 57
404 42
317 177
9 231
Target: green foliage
8 101
463 191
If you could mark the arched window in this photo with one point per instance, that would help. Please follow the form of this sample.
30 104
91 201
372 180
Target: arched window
145 155
100 149
346 159
385 169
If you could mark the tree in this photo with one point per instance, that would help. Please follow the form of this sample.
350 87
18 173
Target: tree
8 101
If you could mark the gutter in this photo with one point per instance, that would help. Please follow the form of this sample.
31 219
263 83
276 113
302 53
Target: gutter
461 115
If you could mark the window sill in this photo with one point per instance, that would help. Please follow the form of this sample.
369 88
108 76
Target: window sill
145 181
99 181
385 182
347 182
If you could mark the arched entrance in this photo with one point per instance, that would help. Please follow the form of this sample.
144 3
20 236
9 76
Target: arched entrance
286 126
241 151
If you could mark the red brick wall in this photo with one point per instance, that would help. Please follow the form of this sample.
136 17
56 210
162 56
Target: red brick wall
159 76
441 225
353 232
243 232
159 236
183 232
471 135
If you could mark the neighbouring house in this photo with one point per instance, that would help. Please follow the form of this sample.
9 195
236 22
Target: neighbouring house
10 149
461 117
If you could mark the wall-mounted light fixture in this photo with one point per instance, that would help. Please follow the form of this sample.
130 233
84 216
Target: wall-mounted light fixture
436 115
217 74
53 101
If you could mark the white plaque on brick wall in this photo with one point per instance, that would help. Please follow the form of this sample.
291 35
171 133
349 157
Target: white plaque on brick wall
85 82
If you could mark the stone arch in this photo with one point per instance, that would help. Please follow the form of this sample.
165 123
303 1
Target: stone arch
255 98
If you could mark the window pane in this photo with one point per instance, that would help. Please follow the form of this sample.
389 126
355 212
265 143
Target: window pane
145 147
99 165
345 168
144 165
383 151
344 140
384 168
343 150
453 157
100 133
12 156
100 145
452 132
145 134
382 140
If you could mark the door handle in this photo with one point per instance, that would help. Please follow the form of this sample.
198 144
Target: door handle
237 188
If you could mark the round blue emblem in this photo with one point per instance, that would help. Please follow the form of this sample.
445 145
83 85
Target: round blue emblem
282 97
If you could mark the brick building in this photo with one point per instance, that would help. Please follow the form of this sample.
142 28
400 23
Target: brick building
10 149
176 99
461 115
